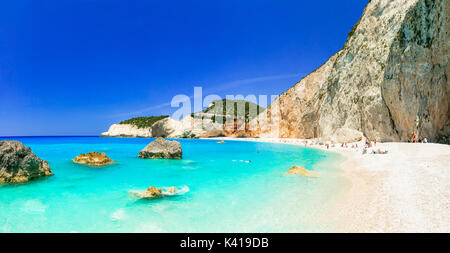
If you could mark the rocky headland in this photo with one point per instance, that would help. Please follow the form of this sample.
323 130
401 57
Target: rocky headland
389 82
127 130
221 118
18 164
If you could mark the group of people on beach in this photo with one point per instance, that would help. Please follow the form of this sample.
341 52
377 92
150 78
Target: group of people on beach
372 144
343 145
374 151
416 139
368 148
369 144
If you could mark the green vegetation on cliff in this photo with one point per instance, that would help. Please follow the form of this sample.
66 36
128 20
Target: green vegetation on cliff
225 108
143 122
238 109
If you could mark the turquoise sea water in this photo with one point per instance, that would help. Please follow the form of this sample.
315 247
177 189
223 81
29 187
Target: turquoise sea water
226 195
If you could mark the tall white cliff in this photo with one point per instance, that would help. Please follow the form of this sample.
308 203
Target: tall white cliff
389 79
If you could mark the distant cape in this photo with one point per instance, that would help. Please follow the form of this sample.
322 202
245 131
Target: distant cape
221 118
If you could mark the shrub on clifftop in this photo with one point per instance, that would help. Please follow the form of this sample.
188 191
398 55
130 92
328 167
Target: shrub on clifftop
143 122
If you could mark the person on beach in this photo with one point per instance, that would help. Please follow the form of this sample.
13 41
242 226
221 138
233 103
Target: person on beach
413 137
368 143
364 151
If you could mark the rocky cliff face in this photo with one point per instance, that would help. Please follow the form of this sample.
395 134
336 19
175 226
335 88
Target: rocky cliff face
389 79
415 86
127 130
188 127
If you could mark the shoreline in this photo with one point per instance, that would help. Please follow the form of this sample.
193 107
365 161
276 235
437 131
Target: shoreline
406 190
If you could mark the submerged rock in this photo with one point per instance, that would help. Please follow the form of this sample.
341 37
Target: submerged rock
154 193
93 158
161 148
18 164
300 170
150 193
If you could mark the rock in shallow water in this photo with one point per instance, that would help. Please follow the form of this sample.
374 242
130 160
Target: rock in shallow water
300 170
93 158
18 164
161 148
154 193
150 193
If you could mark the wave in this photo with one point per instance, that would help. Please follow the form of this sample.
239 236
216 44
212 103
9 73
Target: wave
174 191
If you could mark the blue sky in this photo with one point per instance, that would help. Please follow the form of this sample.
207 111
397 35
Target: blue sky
75 67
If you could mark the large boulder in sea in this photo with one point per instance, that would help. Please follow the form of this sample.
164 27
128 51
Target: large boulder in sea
93 158
162 148
18 164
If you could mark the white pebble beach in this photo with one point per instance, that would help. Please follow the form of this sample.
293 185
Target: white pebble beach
406 190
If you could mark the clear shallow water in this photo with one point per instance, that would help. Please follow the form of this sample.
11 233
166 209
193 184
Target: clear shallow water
225 195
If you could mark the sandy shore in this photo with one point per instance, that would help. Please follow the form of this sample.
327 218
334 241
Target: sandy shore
406 190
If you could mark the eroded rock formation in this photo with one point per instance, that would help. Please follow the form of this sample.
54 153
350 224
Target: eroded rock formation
161 148
18 164
93 158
